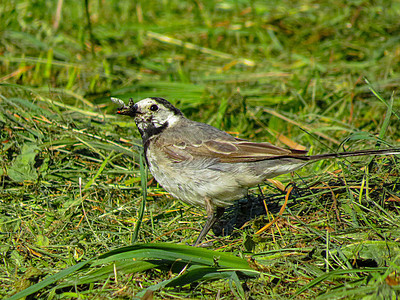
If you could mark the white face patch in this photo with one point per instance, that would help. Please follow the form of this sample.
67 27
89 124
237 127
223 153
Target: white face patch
151 113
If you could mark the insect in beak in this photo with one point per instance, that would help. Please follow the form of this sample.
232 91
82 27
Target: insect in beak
130 110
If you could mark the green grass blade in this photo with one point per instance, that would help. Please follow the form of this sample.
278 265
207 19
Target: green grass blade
143 180
332 274
100 170
124 267
174 252
389 105
49 280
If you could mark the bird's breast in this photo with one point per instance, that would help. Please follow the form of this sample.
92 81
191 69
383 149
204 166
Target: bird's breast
192 181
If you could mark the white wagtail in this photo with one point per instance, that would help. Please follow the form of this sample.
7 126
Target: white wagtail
204 166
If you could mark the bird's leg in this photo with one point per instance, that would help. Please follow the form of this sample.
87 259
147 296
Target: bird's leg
212 217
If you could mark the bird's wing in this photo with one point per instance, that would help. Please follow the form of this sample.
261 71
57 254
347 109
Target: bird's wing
226 151
192 140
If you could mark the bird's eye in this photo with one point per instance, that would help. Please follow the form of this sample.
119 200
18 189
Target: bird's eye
154 107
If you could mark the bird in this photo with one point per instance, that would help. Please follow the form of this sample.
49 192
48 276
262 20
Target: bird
204 166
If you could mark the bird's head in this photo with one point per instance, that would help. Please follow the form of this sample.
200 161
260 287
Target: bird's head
151 114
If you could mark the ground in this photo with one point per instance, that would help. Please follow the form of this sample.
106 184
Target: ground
318 75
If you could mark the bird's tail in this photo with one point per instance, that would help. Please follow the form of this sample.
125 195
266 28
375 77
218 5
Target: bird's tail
390 151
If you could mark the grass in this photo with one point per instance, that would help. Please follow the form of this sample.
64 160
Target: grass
289 73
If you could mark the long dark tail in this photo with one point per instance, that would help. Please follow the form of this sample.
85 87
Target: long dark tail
355 153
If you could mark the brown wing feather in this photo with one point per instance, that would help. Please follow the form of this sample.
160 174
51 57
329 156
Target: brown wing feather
236 151
191 140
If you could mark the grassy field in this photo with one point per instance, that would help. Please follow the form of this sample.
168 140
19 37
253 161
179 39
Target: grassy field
318 75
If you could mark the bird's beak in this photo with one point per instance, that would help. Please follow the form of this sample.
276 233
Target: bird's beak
130 110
